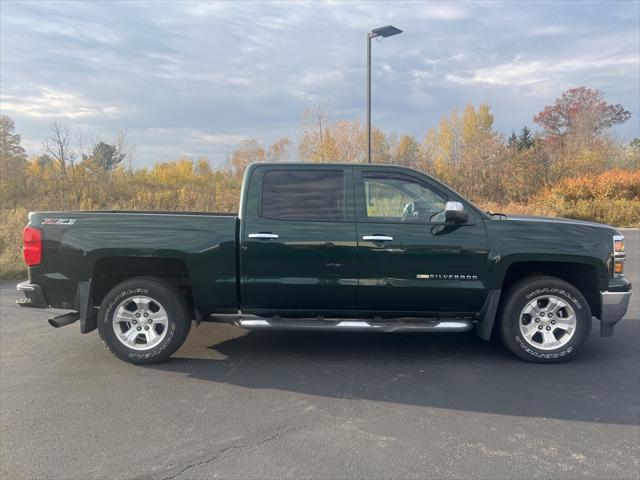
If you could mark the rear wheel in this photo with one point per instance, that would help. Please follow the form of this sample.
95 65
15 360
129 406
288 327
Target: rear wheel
545 319
143 320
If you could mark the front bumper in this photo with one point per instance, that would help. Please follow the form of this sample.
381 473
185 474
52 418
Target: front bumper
33 295
614 307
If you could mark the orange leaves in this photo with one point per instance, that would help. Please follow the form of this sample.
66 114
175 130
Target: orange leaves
609 185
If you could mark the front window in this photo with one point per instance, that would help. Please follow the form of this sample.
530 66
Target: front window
402 200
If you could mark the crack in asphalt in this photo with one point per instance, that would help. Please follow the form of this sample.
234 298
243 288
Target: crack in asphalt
219 453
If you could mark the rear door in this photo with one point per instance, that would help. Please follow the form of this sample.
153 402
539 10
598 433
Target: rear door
409 259
298 240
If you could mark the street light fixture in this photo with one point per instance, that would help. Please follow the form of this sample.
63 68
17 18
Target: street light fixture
387 31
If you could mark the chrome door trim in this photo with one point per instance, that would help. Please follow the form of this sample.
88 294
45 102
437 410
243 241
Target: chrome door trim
264 236
377 238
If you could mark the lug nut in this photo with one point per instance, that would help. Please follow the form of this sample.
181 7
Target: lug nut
542 314
539 327
138 328
135 321
537 319
149 321
550 314
548 328
553 322
146 327
138 315
146 314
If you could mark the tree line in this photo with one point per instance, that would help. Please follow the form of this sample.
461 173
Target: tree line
571 166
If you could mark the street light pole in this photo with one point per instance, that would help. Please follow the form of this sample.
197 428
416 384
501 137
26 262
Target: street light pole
387 31
369 37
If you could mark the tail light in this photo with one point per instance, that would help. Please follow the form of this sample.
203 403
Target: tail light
32 246
619 256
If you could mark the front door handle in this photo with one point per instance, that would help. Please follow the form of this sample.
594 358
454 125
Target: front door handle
264 236
377 238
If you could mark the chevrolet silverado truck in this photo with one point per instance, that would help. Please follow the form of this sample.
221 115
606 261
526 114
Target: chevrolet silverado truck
328 247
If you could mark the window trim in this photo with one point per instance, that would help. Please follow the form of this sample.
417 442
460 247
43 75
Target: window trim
348 209
362 217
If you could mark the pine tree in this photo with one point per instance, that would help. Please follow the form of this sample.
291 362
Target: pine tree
525 140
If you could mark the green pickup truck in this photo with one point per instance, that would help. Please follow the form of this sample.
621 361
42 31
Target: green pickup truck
329 247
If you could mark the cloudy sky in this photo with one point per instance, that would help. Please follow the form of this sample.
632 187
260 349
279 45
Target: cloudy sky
195 78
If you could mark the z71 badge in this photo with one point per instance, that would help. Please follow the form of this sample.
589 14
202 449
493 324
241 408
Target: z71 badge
58 221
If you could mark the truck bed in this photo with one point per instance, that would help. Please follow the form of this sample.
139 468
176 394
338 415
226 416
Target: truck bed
201 246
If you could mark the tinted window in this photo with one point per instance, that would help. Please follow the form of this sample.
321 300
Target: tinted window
402 200
303 195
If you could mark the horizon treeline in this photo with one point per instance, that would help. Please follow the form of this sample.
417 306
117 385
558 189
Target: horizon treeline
571 166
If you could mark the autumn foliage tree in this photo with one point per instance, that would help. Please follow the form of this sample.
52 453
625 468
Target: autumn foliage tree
580 114
574 132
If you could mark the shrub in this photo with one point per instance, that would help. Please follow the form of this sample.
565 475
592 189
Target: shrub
11 263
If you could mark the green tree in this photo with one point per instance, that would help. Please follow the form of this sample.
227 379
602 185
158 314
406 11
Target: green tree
44 161
10 142
525 140
106 157
13 161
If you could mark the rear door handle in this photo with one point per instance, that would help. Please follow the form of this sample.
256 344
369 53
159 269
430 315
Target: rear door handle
264 236
377 238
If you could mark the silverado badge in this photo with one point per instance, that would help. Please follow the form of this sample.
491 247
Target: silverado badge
444 276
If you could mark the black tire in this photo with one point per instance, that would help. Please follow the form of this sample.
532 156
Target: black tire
161 293
524 292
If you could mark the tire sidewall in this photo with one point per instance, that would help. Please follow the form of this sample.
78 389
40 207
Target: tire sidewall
523 294
176 320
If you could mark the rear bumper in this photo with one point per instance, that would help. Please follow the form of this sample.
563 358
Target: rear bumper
33 295
614 307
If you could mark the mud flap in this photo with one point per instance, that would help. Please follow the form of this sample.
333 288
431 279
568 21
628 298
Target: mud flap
487 316
88 314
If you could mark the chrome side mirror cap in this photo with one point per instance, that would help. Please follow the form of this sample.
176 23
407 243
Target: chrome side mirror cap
454 213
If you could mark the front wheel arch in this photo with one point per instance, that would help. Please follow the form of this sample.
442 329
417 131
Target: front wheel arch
523 293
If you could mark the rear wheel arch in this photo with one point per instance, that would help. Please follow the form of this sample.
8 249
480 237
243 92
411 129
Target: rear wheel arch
143 320
107 272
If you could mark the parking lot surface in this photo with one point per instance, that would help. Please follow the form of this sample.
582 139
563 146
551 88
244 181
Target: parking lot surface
238 404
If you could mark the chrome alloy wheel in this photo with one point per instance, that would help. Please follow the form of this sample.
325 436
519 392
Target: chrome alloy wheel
547 322
140 322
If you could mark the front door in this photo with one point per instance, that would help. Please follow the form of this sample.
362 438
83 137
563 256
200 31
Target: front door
409 260
298 240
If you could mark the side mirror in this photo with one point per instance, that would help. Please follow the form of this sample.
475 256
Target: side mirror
454 213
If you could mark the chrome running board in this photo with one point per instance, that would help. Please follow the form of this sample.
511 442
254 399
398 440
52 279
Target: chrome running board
398 325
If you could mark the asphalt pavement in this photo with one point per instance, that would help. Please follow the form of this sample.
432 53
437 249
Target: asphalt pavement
238 404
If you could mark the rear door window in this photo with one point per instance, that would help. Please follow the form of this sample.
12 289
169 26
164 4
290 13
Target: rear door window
313 195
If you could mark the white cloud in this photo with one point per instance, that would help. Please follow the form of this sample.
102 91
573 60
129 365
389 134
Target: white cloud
443 11
522 72
320 77
549 30
202 9
216 138
59 104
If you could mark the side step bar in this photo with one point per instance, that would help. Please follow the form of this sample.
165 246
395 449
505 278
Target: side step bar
65 319
357 325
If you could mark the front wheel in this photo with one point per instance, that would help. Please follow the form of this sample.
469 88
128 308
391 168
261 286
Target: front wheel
545 319
143 320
